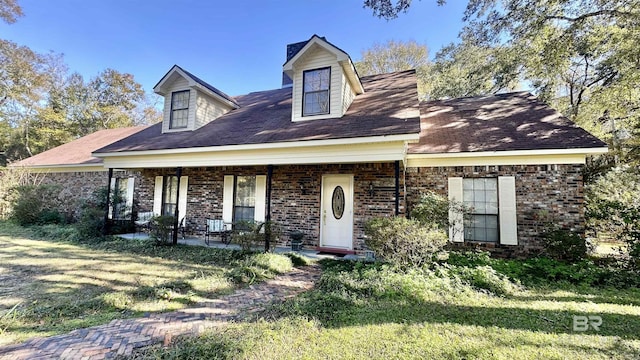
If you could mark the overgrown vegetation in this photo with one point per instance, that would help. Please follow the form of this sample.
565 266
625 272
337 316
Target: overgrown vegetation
404 242
55 280
377 311
613 210
252 235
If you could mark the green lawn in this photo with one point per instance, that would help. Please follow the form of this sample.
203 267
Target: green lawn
371 311
51 283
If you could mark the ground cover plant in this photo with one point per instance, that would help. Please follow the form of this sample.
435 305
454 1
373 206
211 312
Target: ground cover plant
52 281
446 310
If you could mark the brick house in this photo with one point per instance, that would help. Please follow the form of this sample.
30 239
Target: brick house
331 149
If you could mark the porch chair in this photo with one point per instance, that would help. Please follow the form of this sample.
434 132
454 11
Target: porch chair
144 221
217 227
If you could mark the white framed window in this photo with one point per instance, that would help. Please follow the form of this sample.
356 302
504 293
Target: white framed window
316 86
493 215
121 202
179 109
480 195
170 195
244 199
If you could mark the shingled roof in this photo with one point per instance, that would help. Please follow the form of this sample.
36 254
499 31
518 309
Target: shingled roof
388 107
78 152
501 122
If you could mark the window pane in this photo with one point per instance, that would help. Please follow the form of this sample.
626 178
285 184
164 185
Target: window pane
316 91
170 196
467 184
478 184
244 213
315 80
492 235
316 102
245 191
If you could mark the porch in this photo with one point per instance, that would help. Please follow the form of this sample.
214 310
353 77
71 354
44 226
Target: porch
196 241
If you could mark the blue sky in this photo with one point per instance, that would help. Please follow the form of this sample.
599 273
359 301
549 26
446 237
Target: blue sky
238 46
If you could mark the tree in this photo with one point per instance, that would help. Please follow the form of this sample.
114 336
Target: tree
467 69
389 9
10 11
397 56
580 55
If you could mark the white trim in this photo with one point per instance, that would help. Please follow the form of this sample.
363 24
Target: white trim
348 209
259 214
507 210
62 168
456 218
182 201
523 157
355 153
342 58
227 198
157 196
129 199
583 151
112 189
263 146
159 89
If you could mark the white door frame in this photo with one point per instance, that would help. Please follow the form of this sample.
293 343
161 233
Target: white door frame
348 211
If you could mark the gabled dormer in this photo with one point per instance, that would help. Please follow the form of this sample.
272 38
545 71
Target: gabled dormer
324 80
190 103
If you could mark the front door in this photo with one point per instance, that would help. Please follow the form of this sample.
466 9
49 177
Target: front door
336 230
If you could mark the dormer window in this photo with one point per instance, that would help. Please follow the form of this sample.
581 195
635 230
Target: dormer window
316 91
179 109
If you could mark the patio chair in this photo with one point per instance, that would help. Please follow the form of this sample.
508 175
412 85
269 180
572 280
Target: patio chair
217 227
144 221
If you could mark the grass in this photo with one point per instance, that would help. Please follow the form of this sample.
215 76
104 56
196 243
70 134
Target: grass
51 283
447 311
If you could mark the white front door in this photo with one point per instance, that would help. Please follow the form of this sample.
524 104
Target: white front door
336 229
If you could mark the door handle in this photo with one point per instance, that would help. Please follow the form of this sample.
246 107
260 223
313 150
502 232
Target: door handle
324 217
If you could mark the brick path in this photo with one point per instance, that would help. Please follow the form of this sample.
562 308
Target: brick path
120 337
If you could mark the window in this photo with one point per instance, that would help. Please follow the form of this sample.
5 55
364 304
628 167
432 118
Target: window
315 100
481 195
120 210
244 200
170 195
179 109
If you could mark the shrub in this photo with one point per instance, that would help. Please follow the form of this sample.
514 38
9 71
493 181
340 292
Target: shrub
251 234
565 245
486 278
404 242
613 209
432 209
35 204
162 229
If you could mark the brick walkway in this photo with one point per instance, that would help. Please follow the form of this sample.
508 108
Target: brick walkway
120 337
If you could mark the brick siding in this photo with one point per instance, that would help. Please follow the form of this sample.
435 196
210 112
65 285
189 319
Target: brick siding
556 189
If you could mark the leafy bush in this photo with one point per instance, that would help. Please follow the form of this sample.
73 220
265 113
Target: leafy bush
486 278
162 229
543 270
404 242
35 204
565 245
433 210
251 234
613 209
